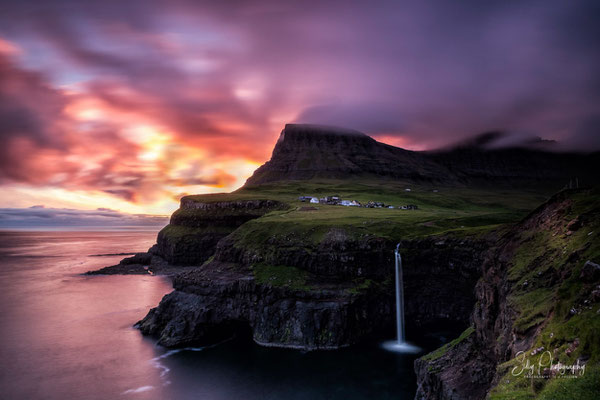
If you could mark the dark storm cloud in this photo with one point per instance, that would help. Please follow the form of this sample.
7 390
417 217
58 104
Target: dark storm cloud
377 117
442 70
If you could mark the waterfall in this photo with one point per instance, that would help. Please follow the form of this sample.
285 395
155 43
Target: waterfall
400 345
399 298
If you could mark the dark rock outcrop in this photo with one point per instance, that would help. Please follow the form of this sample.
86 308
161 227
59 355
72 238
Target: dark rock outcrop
338 254
140 264
211 304
436 381
523 269
197 226
328 310
590 271
441 273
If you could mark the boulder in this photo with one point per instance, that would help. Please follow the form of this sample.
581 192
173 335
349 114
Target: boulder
590 271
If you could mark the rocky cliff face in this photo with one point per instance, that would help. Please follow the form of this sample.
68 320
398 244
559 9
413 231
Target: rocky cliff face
441 273
211 304
328 294
196 227
308 151
534 297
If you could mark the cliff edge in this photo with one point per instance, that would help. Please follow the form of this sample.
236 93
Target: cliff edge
538 307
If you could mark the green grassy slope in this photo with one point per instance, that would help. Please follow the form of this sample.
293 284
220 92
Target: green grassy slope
456 210
560 312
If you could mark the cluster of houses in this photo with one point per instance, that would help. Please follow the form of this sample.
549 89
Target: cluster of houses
337 200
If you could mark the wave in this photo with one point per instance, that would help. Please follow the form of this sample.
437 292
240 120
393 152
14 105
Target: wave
138 390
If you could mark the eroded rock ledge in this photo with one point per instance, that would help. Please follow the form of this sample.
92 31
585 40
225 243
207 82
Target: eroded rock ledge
296 300
210 304
535 295
196 227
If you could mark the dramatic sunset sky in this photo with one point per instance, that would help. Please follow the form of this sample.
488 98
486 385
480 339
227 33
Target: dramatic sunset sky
127 105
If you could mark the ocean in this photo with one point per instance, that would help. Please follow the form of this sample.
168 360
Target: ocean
64 335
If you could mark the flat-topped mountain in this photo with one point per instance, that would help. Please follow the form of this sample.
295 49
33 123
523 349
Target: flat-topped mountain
312 151
306 152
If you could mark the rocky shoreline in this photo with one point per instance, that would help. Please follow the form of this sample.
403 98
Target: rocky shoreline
141 264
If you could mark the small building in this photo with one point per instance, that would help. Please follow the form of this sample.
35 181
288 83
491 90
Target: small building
355 203
346 203
314 200
390 206
331 200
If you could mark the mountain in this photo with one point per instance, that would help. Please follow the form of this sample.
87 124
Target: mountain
517 165
305 152
311 151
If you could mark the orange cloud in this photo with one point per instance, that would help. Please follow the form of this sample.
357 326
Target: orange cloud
113 140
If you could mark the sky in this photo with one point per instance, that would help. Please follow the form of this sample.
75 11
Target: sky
129 105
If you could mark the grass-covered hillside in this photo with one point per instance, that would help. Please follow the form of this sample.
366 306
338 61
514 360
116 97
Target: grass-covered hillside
457 210
555 298
537 312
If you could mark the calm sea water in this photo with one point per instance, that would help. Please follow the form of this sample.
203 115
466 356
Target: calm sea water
63 336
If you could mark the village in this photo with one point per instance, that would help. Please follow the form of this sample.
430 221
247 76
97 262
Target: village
338 201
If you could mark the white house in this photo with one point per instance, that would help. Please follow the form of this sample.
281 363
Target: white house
346 203
314 200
